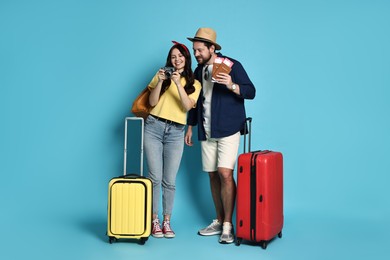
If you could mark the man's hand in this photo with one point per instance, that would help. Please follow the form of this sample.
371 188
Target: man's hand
224 78
188 136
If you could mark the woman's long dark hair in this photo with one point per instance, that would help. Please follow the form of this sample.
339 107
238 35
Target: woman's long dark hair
187 72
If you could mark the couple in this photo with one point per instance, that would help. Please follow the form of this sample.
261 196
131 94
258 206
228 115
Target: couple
217 107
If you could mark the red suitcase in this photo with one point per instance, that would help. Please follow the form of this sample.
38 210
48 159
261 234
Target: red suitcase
259 212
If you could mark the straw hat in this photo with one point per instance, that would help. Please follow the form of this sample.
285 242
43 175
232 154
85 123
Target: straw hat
206 35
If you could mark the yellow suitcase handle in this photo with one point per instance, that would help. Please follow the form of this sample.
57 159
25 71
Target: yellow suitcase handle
142 145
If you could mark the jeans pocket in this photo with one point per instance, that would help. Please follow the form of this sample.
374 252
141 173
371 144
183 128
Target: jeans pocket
150 120
179 127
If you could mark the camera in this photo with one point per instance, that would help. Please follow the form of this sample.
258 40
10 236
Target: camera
168 71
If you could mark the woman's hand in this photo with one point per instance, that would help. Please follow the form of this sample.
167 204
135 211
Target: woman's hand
176 78
161 75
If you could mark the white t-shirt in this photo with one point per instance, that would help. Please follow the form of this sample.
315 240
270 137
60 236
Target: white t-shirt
207 95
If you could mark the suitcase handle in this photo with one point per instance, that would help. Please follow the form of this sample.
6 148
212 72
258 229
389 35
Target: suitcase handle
131 176
248 119
142 145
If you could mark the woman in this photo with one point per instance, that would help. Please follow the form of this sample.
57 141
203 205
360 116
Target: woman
172 95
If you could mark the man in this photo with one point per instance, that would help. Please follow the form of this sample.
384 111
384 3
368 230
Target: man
220 116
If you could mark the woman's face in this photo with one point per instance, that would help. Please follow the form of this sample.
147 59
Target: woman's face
178 60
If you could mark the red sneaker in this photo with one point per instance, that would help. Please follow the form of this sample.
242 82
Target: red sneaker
156 229
167 230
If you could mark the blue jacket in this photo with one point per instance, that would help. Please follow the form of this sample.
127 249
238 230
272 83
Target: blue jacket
227 108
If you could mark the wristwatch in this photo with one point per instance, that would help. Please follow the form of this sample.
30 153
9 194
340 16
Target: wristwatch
234 86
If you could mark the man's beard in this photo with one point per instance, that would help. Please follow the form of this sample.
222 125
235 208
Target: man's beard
205 61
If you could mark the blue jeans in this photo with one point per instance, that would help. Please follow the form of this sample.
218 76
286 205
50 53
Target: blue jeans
163 146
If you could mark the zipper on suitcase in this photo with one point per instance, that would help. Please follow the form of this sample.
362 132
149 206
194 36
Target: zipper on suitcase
253 199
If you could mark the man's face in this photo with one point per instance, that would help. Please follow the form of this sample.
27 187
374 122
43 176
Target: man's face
202 53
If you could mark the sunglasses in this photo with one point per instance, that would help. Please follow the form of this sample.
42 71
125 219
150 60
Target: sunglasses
206 73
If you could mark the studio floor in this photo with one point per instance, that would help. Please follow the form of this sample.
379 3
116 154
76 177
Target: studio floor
305 236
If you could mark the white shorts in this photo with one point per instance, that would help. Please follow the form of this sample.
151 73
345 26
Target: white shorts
220 152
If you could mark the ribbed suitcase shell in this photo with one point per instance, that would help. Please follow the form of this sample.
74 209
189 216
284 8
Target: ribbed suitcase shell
259 216
129 207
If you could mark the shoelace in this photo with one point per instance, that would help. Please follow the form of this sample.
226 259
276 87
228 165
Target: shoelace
215 223
156 226
226 230
167 226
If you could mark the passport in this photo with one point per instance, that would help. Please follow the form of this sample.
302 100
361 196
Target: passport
221 65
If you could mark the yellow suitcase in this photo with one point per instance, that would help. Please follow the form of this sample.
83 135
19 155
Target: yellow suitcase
130 201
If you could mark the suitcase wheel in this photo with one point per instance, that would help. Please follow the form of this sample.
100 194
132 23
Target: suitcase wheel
280 234
238 241
143 240
111 239
263 244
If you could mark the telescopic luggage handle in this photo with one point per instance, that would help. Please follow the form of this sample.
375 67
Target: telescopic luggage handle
248 119
142 145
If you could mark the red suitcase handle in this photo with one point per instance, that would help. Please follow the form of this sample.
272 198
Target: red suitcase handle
248 119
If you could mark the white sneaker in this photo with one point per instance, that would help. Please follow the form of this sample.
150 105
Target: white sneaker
215 228
227 234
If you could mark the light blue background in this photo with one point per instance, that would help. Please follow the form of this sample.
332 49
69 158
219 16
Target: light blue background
69 71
